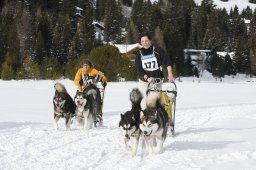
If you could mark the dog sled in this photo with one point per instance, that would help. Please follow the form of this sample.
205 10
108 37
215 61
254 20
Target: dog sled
169 97
95 89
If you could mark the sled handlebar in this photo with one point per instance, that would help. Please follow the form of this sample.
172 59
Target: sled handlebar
172 91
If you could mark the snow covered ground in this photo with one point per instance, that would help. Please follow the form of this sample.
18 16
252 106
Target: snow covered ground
215 125
241 4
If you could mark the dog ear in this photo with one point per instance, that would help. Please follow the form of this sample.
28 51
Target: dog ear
122 115
85 95
133 118
141 114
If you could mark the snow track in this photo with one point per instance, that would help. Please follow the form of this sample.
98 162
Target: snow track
214 130
205 137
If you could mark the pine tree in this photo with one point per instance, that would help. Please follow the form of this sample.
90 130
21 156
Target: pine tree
107 59
228 66
84 39
112 21
133 33
198 28
27 30
241 58
29 69
173 42
253 23
127 2
7 68
237 28
44 32
215 38
199 22
100 9
61 38
10 37
51 69
247 13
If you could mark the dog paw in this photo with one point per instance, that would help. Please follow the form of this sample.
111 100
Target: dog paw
55 127
133 153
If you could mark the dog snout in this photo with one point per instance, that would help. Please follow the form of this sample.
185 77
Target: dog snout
127 136
145 132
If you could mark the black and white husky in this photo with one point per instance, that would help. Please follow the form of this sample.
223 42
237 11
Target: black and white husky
64 106
154 120
83 112
129 123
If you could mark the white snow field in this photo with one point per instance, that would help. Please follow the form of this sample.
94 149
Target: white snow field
215 129
241 4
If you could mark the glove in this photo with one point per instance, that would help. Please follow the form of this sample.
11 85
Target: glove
145 77
104 84
80 89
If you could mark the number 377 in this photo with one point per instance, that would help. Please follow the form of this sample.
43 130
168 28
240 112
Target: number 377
150 64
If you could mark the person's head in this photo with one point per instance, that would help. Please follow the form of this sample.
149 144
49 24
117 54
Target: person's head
145 40
87 65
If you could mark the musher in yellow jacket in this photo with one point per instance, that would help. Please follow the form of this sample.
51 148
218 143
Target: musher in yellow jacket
86 80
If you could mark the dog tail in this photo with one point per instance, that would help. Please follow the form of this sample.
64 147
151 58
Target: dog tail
60 87
136 97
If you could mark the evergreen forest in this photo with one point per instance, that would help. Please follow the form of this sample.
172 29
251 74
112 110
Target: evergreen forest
48 39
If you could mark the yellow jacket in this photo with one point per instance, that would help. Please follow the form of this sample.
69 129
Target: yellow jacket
92 73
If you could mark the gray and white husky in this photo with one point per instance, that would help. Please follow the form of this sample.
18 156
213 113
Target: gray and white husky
129 123
84 113
154 120
64 106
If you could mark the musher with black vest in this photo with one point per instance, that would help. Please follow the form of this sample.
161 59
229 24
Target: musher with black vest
86 80
149 62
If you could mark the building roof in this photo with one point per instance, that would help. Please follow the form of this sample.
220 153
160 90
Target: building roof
223 54
194 50
126 48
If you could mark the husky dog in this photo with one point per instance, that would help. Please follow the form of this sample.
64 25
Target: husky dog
129 123
154 126
154 120
153 94
83 112
64 106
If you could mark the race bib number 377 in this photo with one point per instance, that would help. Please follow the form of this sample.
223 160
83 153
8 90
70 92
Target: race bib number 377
149 62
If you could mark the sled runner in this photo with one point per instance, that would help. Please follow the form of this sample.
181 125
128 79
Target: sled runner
169 97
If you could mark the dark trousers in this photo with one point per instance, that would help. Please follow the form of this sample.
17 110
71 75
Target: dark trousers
94 93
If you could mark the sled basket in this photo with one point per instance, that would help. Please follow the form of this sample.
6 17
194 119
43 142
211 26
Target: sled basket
169 97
